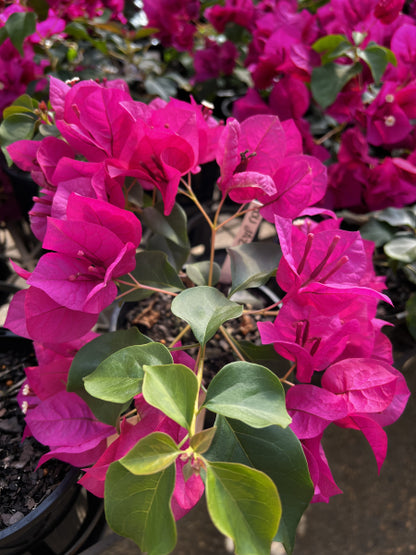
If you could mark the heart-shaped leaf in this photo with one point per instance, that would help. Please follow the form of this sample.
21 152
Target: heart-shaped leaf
138 507
243 503
252 264
173 389
199 272
205 309
275 451
119 377
90 357
151 454
250 393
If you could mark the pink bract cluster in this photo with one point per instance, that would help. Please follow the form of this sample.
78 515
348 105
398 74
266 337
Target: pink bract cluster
17 71
377 168
84 222
328 327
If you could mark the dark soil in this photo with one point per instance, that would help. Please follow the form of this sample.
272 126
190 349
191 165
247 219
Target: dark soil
22 487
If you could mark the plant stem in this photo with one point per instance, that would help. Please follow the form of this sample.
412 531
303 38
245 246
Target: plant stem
179 337
200 371
230 342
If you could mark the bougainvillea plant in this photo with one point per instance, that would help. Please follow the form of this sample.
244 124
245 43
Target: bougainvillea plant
114 174
124 408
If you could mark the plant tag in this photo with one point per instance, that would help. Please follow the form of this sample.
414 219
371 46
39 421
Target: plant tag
246 233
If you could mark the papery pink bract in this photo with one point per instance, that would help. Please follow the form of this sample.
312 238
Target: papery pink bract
321 475
65 423
312 409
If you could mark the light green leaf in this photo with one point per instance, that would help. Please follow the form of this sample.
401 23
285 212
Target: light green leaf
199 272
275 451
20 25
138 507
243 503
250 393
22 104
358 37
401 248
173 389
328 80
205 309
118 378
252 264
77 30
329 43
151 454
201 441
89 357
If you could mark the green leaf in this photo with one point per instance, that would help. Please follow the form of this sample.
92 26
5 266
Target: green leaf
20 25
376 59
118 378
90 357
151 454
265 355
243 503
172 227
358 37
77 30
152 269
328 80
401 248
176 254
391 57
329 43
41 7
17 127
201 441
411 315
275 451
252 264
160 86
205 309
250 393
138 507
173 389
410 272
22 104
397 217
199 272
3 35
378 232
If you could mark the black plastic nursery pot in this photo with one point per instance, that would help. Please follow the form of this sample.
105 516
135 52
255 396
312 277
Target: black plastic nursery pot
68 519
